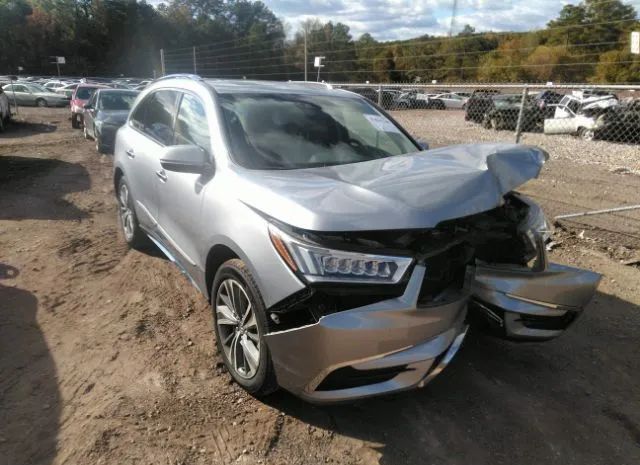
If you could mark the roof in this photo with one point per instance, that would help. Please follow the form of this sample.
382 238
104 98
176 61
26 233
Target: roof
228 86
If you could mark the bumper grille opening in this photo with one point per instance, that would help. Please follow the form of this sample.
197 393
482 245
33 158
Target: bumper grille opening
553 323
349 377
444 271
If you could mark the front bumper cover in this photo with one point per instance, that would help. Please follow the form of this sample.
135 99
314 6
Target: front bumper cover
394 332
419 341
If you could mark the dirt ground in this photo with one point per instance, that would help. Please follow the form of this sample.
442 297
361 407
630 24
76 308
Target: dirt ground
107 355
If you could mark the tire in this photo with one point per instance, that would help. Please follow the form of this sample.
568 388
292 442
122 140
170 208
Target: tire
587 134
100 147
42 103
75 123
495 123
134 236
2 123
235 340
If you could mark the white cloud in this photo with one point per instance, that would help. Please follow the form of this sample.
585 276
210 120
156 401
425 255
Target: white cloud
404 19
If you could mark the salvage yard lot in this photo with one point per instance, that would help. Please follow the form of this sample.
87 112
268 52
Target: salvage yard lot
107 355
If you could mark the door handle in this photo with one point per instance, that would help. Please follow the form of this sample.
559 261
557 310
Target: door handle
130 153
162 175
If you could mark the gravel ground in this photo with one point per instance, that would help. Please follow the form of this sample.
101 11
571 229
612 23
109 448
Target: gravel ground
107 354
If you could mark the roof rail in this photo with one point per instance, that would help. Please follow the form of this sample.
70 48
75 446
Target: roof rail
194 77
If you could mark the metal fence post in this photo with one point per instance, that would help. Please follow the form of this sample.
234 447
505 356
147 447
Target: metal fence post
525 93
379 95
162 62
195 65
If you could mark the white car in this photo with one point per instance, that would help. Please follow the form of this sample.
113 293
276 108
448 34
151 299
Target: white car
578 116
451 100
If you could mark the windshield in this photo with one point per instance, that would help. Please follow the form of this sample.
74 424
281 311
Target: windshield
116 100
278 131
85 93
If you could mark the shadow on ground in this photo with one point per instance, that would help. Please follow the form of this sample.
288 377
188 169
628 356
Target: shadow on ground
28 381
575 400
33 188
16 129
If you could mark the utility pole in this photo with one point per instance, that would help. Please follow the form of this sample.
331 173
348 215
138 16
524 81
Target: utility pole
305 54
454 13
162 62
195 67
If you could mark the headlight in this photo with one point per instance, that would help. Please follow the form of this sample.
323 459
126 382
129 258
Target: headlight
319 264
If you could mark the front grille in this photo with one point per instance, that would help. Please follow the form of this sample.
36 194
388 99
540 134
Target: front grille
552 323
349 377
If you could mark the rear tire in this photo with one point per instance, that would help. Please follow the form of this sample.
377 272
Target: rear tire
134 236
75 123
587 134
240 328
42 103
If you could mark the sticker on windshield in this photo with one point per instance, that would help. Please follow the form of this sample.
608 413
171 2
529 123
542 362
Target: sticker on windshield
381 123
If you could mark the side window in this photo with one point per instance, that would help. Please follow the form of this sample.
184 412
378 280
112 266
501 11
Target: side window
93 100
19 88
154 115
191 124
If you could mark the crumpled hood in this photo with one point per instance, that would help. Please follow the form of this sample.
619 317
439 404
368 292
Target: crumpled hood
410 191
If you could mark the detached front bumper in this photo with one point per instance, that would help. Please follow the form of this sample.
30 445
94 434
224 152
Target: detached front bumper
384 347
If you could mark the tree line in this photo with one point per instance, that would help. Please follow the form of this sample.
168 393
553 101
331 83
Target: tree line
587 42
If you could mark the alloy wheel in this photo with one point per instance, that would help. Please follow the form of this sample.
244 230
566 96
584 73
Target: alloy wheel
237 328
126 215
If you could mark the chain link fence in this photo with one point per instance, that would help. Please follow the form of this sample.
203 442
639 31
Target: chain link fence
509 111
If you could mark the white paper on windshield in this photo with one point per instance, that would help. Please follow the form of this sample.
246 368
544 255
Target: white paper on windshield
381 123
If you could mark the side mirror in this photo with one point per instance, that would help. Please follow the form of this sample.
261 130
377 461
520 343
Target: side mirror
186 159
423 145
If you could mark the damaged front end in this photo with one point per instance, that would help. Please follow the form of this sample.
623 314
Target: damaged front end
369 326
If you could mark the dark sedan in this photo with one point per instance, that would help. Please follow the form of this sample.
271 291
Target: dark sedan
105 112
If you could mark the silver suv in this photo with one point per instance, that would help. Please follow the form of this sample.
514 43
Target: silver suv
340 259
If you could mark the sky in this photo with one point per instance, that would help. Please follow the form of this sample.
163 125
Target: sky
405 19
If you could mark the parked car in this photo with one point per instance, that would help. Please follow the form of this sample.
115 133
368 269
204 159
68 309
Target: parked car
5 110
577 116
67 90
450 100
404 100
24 93
338 258
504 111
80 97
546 102
619 123
105 112
478 104
53 85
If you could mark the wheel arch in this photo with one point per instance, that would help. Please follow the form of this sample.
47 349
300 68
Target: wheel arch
217 255
117 175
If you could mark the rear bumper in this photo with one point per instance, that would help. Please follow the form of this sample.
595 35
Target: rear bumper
380 348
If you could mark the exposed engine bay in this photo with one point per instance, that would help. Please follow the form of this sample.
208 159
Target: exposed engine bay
499 236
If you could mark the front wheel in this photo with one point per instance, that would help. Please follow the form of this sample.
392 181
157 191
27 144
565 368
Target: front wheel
134 236
75 121
41 103
240 324
587 134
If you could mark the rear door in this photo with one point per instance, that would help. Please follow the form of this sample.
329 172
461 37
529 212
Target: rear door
89 114
149 131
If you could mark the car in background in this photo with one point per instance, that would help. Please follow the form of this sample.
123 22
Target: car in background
546 102
478 104
30 94
504 111
5 110
67 90
405 100
619 123
577 115
55 84
80 97
450 100
105 112
340 260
